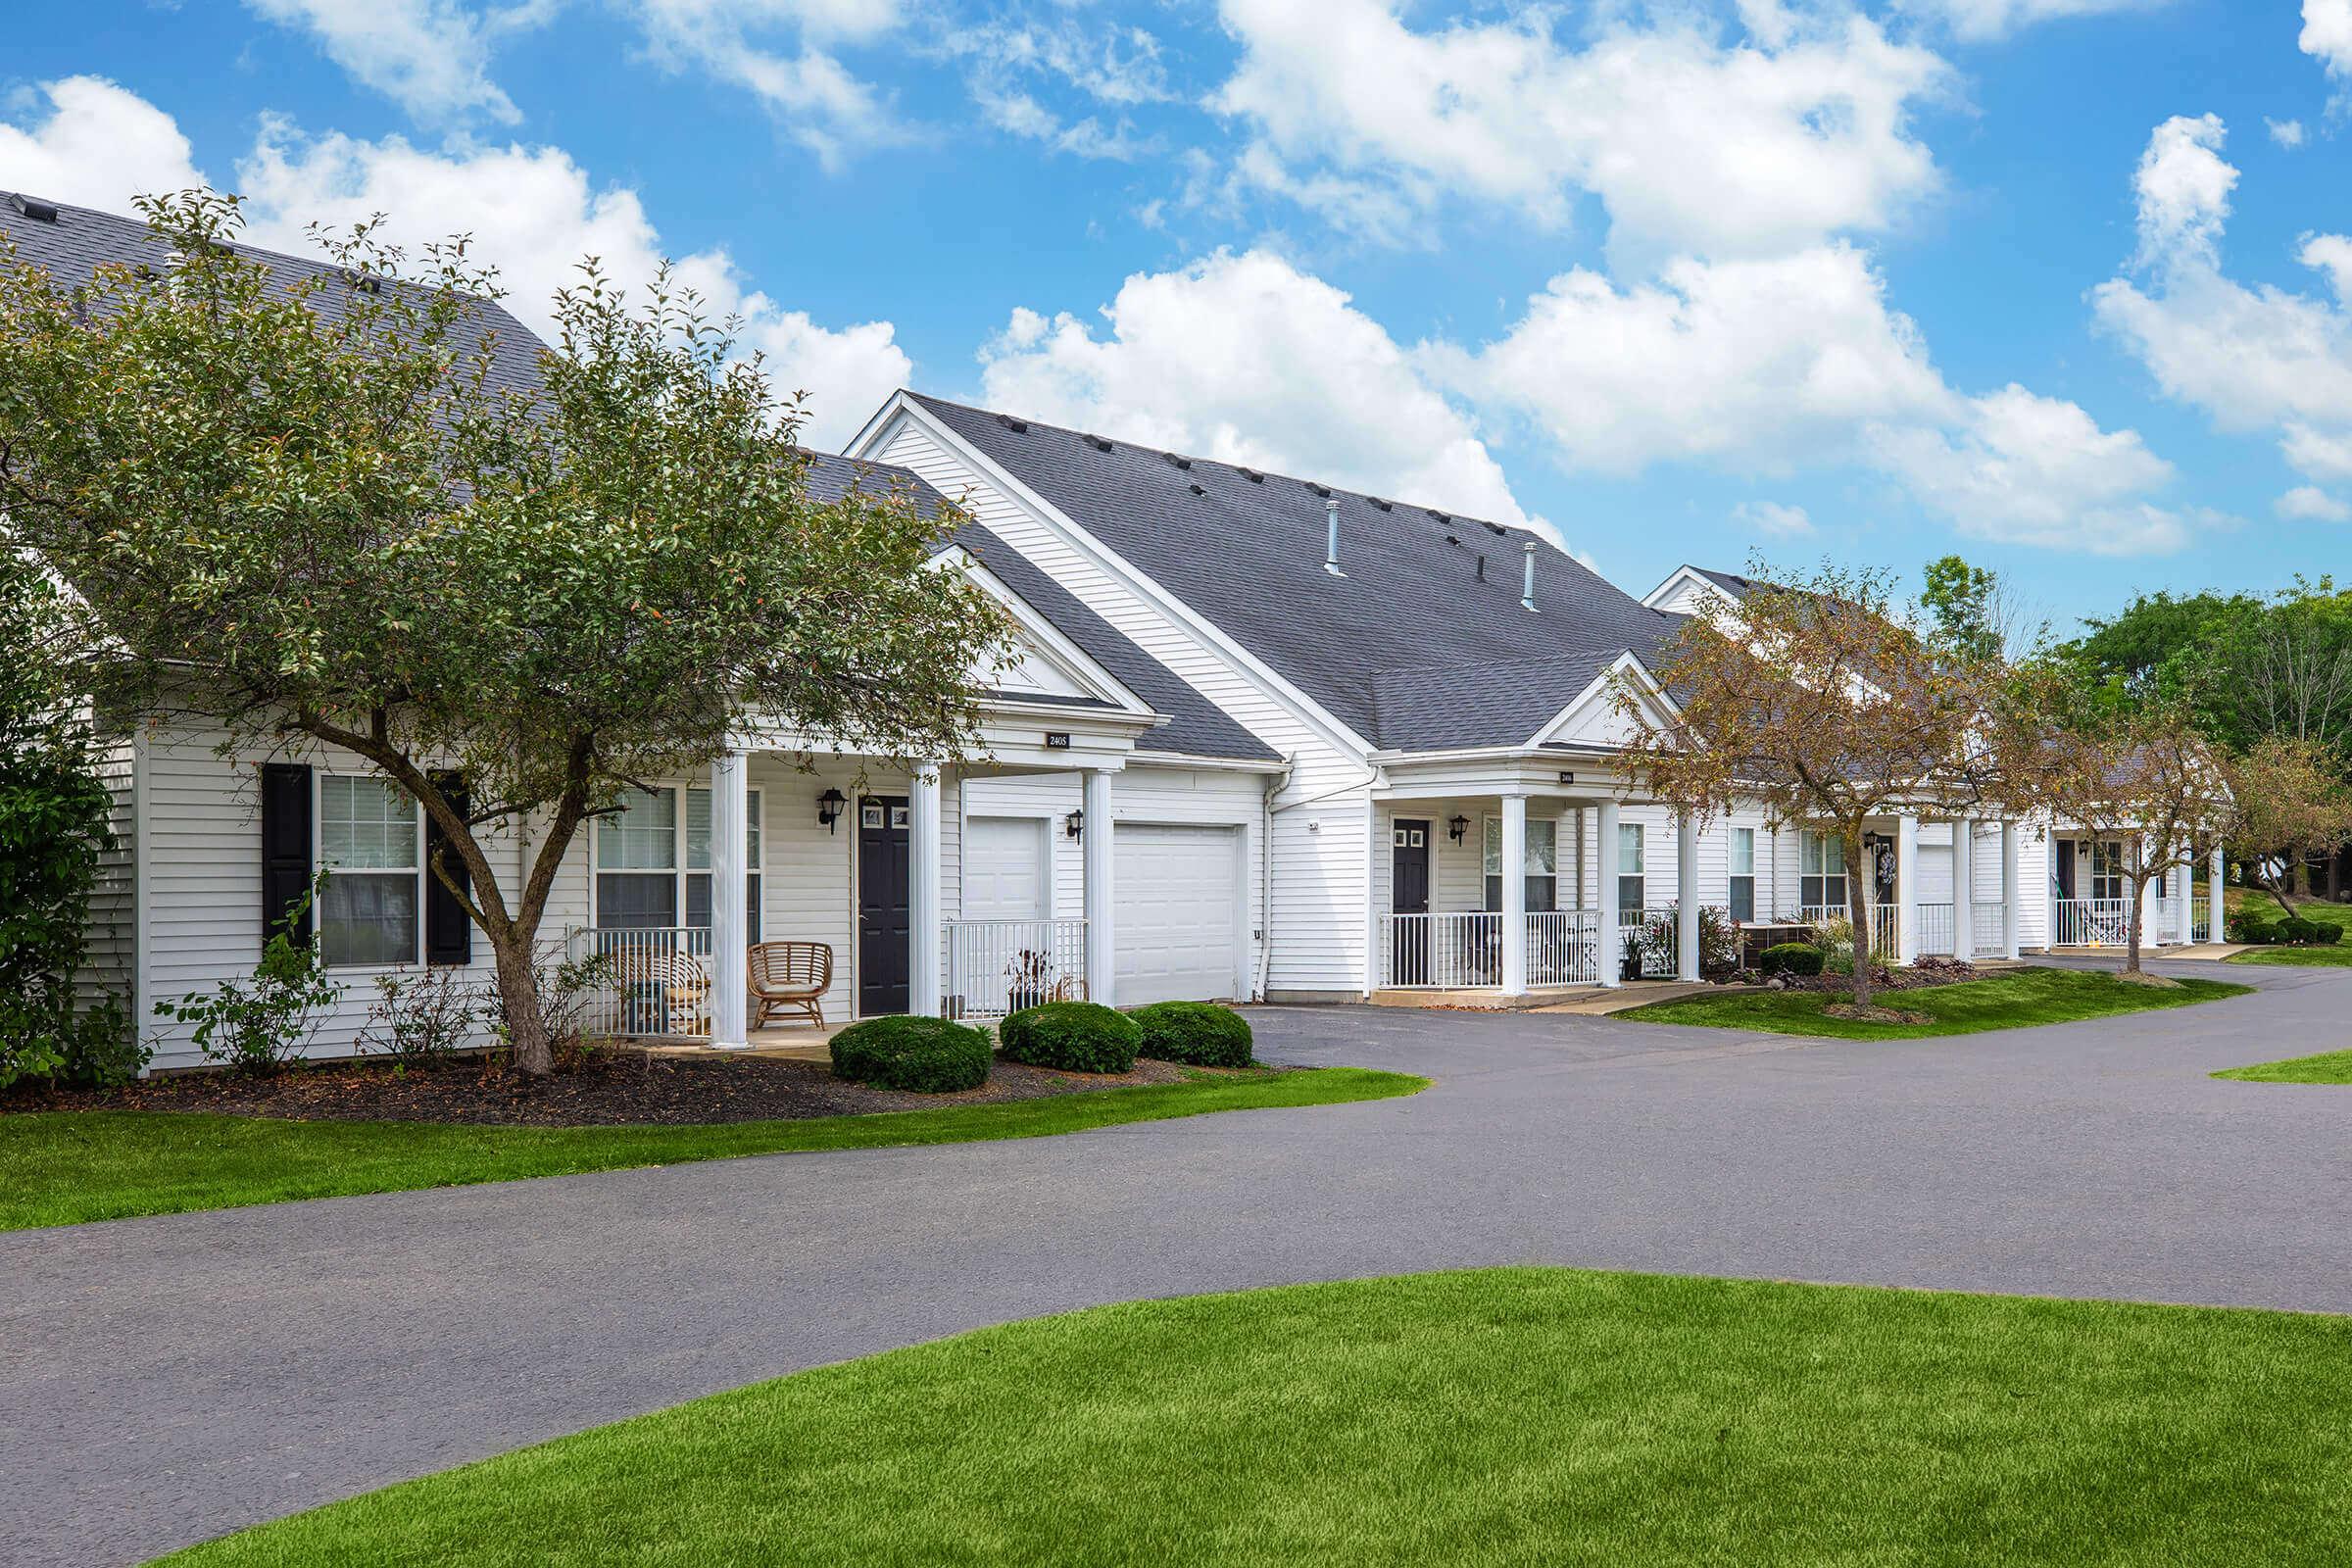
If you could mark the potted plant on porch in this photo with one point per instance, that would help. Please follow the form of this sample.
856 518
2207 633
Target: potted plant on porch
1031 979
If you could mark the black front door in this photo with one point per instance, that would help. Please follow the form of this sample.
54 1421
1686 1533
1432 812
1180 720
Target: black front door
1409 894
883 926
2062 858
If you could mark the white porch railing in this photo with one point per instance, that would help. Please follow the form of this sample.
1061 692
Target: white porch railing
1935 931
993 967
1988 929
2093 922
648 980
1563 948
1654 932
1882 924
1454 950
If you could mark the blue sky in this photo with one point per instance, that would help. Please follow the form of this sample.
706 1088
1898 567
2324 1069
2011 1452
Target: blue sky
2059 285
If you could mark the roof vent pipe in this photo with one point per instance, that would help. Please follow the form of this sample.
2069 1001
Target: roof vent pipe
1526 590
1331 545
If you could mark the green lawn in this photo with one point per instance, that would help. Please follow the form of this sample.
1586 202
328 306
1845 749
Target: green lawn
2338 956
2328 1067
1522 1416
2011 1001
63 1167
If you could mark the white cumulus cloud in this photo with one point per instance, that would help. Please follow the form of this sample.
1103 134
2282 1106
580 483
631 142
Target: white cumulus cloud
2287 133
2328 36
96 145
1692 144
787 53
1771 518
2309 504
1981 19
1245 359
432 57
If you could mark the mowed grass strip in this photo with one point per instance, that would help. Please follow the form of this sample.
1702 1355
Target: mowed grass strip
2016 1000
2328 1067
1537 1417
2338 956
67 1167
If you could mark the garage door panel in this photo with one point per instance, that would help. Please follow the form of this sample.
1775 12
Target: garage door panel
1178 891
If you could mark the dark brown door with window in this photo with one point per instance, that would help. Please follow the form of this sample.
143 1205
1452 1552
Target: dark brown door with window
884 928
1409 894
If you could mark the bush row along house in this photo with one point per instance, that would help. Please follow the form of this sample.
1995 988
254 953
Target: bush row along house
1265 739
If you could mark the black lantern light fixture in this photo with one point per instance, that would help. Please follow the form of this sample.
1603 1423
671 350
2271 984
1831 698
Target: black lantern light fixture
829 807
1075 824
1457 826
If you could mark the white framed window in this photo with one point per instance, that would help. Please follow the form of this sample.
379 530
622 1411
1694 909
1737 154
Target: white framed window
653 860
2106 868
1632 868
1821 872
1743 874
372 846
1541 865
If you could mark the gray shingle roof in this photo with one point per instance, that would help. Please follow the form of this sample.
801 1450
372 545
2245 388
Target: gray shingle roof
80 240
1411 648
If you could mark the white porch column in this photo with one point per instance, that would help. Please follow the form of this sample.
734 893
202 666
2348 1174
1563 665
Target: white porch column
2143 851
1964 889
1604 856
1099 840
2009 890
1686 896
730 921
2216 909
2184 918
926 917
1906 890
1514 895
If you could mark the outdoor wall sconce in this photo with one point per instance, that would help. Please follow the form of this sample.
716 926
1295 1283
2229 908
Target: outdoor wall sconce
828 807
1074 824
1456 826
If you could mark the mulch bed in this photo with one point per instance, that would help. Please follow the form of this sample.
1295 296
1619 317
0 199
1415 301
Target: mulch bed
1923 975
1849 1010
616 1088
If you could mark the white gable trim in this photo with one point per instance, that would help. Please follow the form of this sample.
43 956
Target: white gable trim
1566 724
877 434
1682 578
1063 656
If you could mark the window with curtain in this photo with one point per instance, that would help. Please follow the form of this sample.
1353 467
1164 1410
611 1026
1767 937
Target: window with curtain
1541 866
1743 874
371 846
1632 868
637 861
1821 872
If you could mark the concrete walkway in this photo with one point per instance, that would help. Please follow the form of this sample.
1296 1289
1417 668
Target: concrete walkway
162 1380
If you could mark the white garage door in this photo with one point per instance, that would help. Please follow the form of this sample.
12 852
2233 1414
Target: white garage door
1177 897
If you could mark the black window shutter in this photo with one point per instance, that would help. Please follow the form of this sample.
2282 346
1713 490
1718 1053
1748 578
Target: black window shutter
448 929
285 850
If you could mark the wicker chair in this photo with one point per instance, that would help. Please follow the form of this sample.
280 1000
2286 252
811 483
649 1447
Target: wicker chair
678 981
791 977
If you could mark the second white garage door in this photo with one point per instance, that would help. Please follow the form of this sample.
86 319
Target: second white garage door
1177 909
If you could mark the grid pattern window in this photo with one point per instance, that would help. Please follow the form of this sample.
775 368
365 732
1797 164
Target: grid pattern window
1541 865
2106 869
1743 874
637 861
371 844
1632 868
1821 872
653 860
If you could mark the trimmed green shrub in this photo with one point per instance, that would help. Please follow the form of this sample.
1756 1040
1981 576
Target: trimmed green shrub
1072 1036
920 1056
2297 931
1199 1033
2252 930
2327 932
1790 957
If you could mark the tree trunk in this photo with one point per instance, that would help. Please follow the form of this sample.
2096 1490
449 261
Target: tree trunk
2134 924
518 1005
1860 879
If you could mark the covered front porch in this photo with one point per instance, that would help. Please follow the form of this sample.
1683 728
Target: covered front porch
791 891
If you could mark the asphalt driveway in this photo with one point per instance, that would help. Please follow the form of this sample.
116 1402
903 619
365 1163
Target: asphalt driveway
164 1380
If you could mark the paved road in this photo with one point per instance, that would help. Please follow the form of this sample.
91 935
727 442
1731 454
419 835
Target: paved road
164 1380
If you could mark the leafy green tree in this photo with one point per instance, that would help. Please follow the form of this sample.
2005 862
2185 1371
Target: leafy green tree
1963 608
313 509
53 832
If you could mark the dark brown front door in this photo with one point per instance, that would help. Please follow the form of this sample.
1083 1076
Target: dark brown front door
884 926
